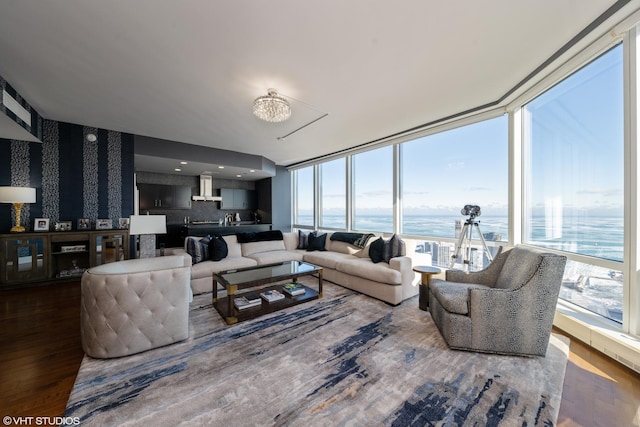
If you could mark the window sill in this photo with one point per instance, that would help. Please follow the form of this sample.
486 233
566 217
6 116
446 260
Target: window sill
602 334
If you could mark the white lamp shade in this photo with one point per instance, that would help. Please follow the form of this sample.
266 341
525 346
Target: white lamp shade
17 195
147 224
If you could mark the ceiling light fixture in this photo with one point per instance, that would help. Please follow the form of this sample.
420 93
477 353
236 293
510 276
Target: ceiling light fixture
272 107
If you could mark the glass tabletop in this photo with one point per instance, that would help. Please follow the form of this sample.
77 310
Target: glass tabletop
267 272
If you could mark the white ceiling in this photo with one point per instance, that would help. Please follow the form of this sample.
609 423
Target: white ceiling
189 71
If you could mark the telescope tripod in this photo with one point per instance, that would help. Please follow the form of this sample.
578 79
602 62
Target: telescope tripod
464 243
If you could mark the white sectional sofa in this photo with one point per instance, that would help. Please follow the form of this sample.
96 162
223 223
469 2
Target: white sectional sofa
342 263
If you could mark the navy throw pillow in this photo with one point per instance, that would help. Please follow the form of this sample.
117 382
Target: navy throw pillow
376 250
218 248
393 247
316 243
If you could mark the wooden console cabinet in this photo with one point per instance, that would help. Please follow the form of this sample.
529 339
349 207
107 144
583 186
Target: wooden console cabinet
49 256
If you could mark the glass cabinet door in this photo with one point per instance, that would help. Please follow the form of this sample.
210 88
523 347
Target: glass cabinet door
110 247
24 258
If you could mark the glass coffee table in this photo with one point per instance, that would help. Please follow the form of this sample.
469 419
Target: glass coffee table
262 279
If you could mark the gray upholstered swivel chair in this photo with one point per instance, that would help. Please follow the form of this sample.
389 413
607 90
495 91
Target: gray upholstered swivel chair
507 308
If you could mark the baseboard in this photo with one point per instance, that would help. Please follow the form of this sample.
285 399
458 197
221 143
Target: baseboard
604 336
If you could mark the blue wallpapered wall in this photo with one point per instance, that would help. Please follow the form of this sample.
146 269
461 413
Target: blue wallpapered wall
74 178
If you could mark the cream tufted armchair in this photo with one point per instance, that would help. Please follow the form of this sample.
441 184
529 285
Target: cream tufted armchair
132 306
507 308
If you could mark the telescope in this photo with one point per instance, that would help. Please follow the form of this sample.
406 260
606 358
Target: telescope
471 210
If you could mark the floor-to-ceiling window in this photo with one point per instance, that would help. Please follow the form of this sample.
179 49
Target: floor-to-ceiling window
333 194
304 196
574 180
373 190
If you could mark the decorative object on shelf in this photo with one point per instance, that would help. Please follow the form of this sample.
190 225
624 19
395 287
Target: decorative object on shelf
272 107
17 196
147 226
62 226
123 223
293 289
272 295
104 224
41 224
84 224
74 248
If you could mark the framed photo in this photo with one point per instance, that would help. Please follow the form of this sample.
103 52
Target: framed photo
41 224
123 223
84 224
104 224
62 226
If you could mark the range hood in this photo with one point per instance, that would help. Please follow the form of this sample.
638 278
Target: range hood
206 190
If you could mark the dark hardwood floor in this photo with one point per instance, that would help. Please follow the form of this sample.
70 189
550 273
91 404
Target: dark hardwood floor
40 354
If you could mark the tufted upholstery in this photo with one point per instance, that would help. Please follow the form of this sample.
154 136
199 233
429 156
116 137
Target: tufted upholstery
132 306
507 308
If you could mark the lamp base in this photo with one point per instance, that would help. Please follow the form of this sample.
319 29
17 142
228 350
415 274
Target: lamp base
147 246
17 229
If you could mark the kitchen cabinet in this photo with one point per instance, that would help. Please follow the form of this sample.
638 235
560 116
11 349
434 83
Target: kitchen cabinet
237 198
157 196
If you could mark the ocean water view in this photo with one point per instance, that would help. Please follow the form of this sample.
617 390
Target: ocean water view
595 288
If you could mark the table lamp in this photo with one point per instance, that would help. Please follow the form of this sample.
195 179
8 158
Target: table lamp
147 226
17 196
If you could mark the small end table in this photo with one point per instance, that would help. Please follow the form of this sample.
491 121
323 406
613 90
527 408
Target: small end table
427 272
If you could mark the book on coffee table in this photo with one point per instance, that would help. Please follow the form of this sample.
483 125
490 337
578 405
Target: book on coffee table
272 296
242 303
294 289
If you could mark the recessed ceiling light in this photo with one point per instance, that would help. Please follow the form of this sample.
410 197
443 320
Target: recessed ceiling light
239 176
177 169
220 167
252 170
91 137
183 163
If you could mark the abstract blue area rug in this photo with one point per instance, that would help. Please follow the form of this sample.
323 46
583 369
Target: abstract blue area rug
346 360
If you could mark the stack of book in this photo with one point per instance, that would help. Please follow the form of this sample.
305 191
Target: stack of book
271 296
247 301
293 289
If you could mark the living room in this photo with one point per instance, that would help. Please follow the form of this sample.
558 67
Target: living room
157 81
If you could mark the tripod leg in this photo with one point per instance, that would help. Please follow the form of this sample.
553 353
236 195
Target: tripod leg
484 244
463 235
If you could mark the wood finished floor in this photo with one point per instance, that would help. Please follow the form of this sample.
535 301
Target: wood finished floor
40 354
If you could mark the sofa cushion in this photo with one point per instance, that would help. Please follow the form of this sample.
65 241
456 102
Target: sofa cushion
376 250
264 246
317 242
519 267
365 268
235 249
327 259
218 248
274 257
453 296
207 268
303 239
198 248
394 247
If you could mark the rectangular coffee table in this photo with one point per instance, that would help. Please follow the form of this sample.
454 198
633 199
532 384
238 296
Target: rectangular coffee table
262 279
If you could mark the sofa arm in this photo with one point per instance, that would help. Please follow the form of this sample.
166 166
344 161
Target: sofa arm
487 277
179 251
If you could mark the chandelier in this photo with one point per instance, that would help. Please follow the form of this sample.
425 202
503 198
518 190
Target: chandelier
271 107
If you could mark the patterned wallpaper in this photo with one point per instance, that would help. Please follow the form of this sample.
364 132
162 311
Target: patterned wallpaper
74 178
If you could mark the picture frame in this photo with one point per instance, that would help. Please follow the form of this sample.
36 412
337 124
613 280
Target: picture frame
104 224
84 224
62 226
123 223
41 224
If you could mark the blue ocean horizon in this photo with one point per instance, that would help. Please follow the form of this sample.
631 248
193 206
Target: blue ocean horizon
598 236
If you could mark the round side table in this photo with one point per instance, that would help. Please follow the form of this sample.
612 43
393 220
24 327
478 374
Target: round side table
427 272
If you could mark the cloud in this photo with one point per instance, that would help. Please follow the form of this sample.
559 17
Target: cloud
604 192
455 166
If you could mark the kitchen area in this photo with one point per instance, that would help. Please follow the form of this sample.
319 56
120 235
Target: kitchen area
204 205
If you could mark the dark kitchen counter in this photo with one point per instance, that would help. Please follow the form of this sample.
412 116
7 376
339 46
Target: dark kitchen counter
177 232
